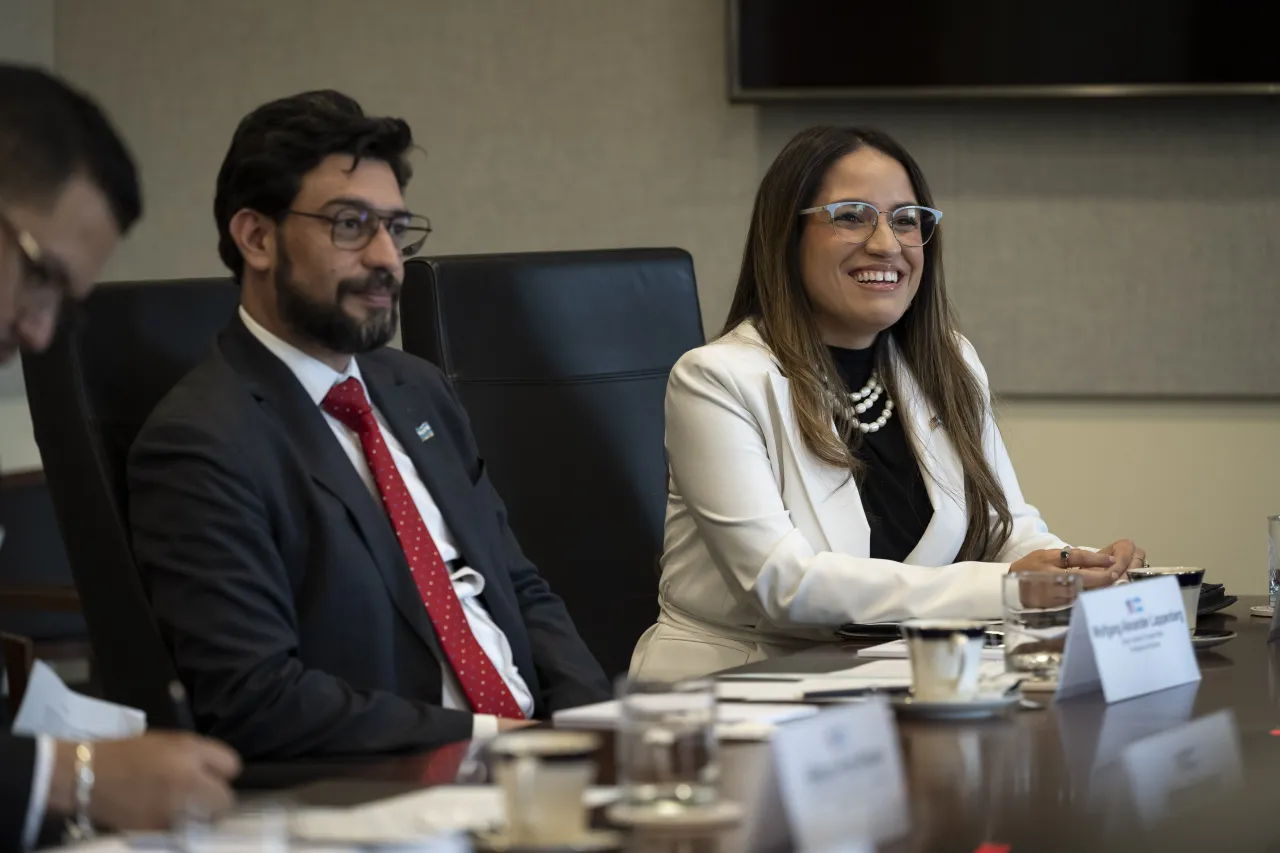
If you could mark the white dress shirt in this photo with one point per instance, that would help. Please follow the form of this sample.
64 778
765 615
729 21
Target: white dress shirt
41 780
317 378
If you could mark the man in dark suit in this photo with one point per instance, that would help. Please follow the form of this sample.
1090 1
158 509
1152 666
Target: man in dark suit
68 191
321 543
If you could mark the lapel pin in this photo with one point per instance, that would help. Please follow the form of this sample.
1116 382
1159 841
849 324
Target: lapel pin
935 422
424 431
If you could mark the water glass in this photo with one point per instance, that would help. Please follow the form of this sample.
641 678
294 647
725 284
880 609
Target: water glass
1037 612
1273 559
668 758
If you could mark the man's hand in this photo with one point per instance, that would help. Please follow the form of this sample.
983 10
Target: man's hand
506 725
145 782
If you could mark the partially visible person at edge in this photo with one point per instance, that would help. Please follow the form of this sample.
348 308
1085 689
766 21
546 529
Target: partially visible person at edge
68 192
833 455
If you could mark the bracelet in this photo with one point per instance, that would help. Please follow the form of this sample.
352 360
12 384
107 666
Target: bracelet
81 828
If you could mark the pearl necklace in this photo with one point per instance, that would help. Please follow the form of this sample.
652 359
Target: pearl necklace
863 399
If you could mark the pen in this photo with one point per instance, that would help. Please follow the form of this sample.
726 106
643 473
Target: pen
181 710
854 693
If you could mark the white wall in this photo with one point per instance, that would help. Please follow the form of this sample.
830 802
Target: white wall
26 36
589 123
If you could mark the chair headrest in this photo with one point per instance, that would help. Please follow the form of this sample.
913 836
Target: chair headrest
562 314
133 344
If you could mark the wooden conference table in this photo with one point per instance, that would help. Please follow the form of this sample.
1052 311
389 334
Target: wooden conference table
1045 780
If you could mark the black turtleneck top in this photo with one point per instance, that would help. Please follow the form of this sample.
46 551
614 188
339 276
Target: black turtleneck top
892 488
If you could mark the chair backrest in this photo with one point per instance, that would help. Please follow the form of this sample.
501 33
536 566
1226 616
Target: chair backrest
561 361
37 595
89 395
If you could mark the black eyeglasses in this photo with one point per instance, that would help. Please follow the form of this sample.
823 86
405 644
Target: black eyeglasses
354 228
41 271
32 255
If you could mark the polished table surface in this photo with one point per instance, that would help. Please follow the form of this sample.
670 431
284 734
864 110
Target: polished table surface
1045 779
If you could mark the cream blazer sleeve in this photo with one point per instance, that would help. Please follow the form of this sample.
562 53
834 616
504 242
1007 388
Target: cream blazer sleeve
726 435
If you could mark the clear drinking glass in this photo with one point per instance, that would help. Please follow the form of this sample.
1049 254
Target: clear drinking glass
1037 611
1273 559
668 757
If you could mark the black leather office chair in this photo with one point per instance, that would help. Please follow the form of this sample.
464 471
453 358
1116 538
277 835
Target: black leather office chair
89 396
39 607
561 360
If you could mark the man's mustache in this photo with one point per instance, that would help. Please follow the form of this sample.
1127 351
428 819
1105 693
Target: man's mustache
376 283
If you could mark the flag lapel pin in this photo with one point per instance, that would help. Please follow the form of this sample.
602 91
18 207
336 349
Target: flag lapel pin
424 431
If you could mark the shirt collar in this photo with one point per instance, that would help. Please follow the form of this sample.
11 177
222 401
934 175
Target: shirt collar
316 376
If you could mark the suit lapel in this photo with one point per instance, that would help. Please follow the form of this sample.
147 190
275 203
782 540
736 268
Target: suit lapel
279 392
943 477
832 496
830 492
405 409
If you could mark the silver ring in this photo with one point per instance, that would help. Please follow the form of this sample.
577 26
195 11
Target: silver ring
1145 564
1065 554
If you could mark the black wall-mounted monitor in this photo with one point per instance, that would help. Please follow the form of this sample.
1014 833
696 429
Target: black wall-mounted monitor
810 50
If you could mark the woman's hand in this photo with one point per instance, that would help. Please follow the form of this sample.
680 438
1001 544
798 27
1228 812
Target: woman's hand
1095 569
1128 555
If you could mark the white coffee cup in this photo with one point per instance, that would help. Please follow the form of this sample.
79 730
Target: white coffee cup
544 776
946 658
1189 581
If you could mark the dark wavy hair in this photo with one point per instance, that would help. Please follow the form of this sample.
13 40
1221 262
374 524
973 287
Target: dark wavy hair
50 132
277 144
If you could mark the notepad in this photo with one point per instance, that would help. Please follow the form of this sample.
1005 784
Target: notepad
888 675
794 687
898 649
608 715
430 814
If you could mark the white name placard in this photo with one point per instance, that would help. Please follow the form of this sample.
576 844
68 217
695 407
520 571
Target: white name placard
841 778
1128 640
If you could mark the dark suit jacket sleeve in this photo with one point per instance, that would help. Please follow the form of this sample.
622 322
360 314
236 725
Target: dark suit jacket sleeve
17 763
567 671
203 539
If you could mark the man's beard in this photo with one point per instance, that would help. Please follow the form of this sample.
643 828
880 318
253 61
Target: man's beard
325 323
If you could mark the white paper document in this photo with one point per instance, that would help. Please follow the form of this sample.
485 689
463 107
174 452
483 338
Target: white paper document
729 716
433 812
887 674
50 708
898 649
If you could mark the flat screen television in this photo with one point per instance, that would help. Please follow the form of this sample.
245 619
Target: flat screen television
807 49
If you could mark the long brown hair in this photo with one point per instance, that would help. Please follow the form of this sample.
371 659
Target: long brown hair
771 293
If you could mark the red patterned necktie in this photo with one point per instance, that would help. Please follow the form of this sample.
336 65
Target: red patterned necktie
484 687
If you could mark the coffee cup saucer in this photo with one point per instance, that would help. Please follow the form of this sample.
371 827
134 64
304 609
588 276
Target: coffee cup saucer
718 815
1207 638
497 841
981 707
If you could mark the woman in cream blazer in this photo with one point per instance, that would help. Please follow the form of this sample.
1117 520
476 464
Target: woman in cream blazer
767 545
